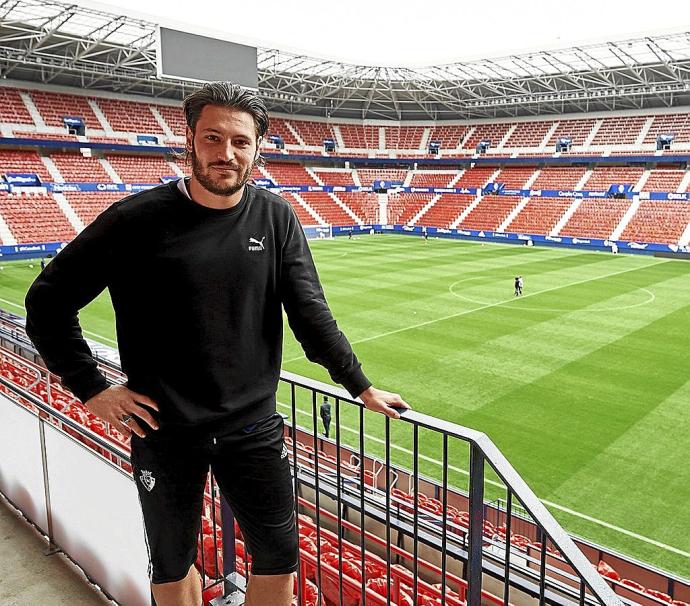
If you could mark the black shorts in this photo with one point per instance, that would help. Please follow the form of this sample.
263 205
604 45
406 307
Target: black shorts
252 469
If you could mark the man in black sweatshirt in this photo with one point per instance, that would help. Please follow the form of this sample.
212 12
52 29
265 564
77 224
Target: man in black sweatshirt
198 271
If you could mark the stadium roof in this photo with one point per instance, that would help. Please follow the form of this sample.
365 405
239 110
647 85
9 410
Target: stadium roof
59 43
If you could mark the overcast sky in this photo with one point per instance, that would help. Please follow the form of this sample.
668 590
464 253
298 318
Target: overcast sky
412 34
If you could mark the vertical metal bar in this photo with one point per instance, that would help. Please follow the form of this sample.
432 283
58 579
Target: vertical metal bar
388 509
214 491
415 524
52 547
508 524
361 501
293 406
444 519
317 496
229 556
338 479
476 538
582 593
542 569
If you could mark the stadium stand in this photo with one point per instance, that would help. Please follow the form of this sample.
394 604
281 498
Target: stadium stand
577 130
658 221
35 218
129 116
53 107
12 108
88 207
619 131
446 210
539 216
312 133
20 161
78 168
676 124
140 169
528 134
595 218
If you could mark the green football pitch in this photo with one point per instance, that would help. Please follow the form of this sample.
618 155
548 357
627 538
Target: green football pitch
583 382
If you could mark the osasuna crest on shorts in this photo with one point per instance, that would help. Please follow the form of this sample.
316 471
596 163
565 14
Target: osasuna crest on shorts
147 479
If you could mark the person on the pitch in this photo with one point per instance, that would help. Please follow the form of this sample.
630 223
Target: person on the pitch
326 415
199 271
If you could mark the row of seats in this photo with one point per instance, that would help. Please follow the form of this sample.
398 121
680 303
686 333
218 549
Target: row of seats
147 168
38 217
127 116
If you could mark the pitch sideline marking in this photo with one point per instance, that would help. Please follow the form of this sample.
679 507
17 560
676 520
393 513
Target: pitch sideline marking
88 332
487 306
562 508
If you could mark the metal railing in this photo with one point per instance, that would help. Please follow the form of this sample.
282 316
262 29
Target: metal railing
352 488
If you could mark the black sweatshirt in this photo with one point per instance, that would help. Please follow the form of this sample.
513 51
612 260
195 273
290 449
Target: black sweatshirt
197 294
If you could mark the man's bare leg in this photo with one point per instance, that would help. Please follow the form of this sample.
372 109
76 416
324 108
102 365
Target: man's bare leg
186 592
275 589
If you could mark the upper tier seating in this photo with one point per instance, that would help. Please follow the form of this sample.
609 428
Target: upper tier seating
129 116
493 133
89 205
658 221
577 130
356 136
450 136
77 168
140 169
403 137
53 107
539 216
174 118
595 218
312 133
12 108
528 134
277 126
14 161
620 130
677 125
35 218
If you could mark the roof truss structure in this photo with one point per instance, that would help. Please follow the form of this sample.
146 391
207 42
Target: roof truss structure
60 43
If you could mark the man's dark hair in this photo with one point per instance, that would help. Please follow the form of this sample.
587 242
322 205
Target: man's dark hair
230 95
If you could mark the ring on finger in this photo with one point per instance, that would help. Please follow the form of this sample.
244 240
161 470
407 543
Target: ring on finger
125 419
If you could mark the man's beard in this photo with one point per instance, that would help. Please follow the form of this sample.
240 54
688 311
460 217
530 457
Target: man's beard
203 175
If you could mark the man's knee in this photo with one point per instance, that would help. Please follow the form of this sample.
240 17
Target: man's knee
282 559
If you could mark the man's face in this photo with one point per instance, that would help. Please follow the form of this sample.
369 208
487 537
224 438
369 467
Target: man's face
223 149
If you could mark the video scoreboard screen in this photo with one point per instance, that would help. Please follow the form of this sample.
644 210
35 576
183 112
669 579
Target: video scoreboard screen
187 56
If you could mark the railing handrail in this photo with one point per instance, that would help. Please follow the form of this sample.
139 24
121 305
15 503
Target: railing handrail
505 471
